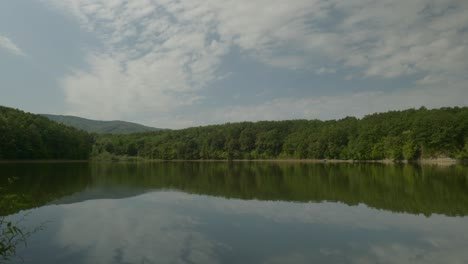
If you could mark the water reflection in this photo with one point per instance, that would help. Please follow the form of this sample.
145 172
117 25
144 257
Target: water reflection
174 227
13 234
398 188
275 213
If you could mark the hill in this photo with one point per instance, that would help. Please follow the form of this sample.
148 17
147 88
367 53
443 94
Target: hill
100 127
26 136
397 135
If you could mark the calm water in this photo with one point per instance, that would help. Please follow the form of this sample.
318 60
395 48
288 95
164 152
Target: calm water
239 213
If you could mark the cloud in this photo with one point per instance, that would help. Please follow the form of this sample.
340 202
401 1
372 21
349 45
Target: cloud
339 106
152 62
176 229
163 235
381 38
10 46
433 239
401 253
325 70
157 56
115 88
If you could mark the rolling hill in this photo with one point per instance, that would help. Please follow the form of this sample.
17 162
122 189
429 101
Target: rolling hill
100 127
27 136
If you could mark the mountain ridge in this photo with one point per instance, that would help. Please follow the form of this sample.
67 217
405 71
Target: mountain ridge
99 126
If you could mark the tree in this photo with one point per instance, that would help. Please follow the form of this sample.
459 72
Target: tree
409 134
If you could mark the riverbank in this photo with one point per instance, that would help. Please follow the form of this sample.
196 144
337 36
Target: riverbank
434 161
43 161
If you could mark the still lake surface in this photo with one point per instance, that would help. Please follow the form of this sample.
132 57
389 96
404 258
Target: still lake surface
194 212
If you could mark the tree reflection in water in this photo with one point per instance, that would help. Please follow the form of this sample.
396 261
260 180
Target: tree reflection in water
12 233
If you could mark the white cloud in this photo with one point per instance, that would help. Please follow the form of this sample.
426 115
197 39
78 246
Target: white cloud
150 64
10 46
339 106
383 38
169 233
158 54
115 88
325 70
163 235
401 253
439 237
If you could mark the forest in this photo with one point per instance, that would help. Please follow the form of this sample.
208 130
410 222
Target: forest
29 136
397 135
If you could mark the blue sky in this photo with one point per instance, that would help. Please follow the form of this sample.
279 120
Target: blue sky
176 64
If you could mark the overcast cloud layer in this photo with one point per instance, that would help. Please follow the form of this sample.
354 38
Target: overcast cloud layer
180 63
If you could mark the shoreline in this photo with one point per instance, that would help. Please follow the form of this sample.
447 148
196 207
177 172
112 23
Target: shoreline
43 161
434 161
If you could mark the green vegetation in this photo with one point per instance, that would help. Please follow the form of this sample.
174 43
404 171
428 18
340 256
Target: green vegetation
399 188
12 234
29 136
100 127
397 135
10 237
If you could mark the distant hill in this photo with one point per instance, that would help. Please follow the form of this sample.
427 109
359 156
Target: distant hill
100 127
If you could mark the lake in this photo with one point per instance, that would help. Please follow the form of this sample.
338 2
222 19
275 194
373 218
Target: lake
244 212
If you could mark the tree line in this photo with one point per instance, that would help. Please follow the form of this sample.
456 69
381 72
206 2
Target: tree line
398 135
29 136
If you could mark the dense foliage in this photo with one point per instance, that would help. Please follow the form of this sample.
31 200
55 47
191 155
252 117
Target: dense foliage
397 135
100 127
29 136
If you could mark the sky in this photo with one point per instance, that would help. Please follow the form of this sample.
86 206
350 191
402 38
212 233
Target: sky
176 64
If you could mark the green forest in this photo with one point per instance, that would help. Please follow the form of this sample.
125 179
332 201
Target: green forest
29 136
397 135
